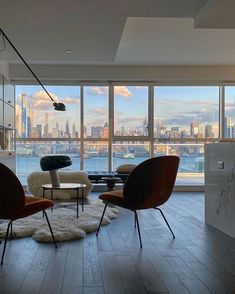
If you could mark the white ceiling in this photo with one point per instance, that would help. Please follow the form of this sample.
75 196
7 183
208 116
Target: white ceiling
156 32
174 41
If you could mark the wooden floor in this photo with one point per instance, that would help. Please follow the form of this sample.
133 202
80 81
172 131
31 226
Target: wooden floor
200 260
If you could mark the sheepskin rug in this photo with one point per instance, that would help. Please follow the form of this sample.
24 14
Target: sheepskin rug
63 221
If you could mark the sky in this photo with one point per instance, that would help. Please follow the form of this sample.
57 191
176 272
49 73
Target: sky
174 105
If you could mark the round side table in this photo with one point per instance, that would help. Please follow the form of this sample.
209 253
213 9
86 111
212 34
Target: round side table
110 182
65 186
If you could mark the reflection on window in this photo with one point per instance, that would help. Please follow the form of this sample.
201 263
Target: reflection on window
130 110
36 117
186 112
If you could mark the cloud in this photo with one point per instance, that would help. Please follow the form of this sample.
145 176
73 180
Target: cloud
97 111
70 100
99 90
130 120
178 101
40 101
122 91
203 117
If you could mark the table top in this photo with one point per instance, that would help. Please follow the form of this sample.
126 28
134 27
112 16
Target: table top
64 186
110 179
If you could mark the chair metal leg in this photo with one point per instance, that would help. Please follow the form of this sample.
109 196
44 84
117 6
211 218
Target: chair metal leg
11 231
5 243
135 220
138 227
49 225
97 232
166 221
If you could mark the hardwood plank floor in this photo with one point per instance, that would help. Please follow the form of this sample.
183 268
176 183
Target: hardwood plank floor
200 260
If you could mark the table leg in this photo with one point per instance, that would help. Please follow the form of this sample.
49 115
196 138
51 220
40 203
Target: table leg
43 195
82 198
77 200
52 198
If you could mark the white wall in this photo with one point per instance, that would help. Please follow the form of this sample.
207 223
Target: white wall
70 73
4 69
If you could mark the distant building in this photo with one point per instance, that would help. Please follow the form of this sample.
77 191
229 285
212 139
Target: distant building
24 121
194 129
162 131
46 126
39 131
96 132
228 127
174 132
67 131
145 127
208 131
73 130
105 130
29 127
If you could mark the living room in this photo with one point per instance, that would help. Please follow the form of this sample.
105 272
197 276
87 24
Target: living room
139 81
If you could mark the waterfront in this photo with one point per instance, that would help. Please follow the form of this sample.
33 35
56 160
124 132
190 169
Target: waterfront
190 167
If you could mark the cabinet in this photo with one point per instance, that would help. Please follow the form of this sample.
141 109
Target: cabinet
7 123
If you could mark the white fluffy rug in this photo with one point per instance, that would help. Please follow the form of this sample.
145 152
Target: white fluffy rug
63 221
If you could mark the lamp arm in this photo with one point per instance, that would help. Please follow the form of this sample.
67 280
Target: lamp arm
18 53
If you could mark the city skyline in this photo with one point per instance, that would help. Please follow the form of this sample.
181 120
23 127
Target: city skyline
175 107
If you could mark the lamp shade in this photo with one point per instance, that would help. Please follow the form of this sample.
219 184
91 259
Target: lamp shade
59 106
53 162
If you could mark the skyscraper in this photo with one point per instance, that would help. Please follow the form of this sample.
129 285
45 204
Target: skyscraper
39 130
194 129
105 130
208 131
73 130
24 115
228 127
145 127
46 126
67 129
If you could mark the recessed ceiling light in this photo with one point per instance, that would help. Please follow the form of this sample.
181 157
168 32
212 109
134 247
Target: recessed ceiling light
68 51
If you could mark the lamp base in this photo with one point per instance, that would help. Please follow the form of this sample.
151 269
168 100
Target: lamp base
55 181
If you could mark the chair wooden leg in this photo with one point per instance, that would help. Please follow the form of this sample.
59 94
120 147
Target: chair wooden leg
49 225
5 243
166 221
97 232
138 227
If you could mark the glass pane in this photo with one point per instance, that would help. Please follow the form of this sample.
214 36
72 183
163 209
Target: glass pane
129 152
36 117
229 120
186 112
95 156
28 156
96 112
131 111
191 168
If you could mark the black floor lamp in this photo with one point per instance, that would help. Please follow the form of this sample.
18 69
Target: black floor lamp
57 105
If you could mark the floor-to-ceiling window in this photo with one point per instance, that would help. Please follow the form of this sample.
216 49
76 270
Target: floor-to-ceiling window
95 133
106 125
41 131
130 112
185 117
